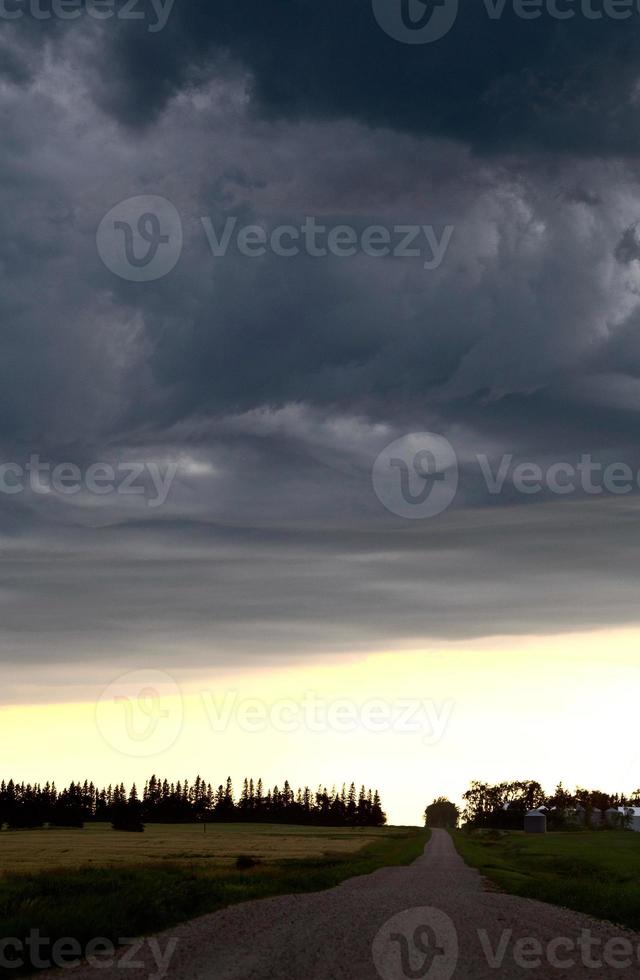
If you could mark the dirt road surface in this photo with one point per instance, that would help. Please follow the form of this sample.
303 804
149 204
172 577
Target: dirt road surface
433 920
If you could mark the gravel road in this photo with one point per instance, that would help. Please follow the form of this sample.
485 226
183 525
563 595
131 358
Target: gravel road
433 920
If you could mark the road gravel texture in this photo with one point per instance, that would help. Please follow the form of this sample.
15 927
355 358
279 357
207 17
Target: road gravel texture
433 920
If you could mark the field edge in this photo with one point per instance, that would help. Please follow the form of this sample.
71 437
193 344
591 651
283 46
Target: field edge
115 903
592 872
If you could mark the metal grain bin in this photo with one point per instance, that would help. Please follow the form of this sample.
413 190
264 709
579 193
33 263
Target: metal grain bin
535 822
581 815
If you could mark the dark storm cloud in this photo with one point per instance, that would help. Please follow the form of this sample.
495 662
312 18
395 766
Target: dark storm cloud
96 356
274 383
498 84
12 67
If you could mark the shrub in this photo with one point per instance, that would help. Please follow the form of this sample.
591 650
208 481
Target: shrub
244 862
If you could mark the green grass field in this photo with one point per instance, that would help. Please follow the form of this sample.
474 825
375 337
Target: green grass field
592 872
129 887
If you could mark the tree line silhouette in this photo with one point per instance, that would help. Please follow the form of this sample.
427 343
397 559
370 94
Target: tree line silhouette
503 805
26 805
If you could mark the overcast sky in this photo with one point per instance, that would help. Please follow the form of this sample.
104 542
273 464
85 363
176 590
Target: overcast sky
266 386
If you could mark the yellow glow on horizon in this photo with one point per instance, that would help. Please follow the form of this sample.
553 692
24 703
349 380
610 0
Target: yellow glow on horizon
414 723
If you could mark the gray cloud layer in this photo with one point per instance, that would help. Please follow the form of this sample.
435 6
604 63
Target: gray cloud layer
273 383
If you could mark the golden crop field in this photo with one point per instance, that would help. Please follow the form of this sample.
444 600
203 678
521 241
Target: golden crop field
98 845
